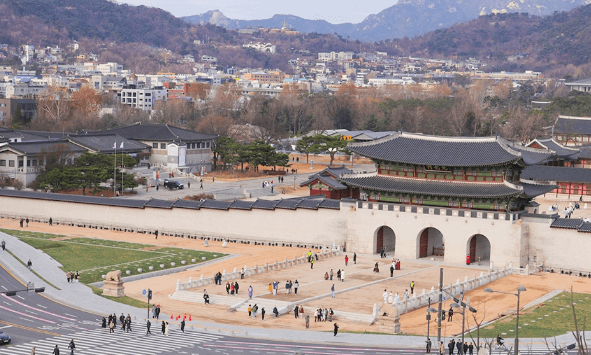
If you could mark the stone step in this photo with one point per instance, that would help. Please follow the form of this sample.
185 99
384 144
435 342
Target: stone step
197 297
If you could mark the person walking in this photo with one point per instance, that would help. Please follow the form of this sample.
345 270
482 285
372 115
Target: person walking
460 347
30 264
428 345
249 311
451 345
250 290
354 258
412 287
156 234
104 323
3 245
72 346
56 351
332 290
263 313
163 327
22 221
111 327
33 351
343 276
50 221
330 274
346 260
311 263
166 329
336 329
441 349
128 323
201 184
339 274
450 314
296 311
148 325
296 284
307 321
183 325
27 221
392 270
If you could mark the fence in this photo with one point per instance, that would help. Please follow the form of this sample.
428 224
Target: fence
418 301
277 265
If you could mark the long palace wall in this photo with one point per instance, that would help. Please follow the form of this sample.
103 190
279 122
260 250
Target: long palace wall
354 226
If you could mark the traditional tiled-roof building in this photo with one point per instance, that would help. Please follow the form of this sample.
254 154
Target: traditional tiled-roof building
480 173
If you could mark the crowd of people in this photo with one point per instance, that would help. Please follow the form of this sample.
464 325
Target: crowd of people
232 288
72 277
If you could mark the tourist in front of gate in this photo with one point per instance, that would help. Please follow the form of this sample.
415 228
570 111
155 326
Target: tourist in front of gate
339 274
336 329
332 290
412 287
376 268
296 284
346 260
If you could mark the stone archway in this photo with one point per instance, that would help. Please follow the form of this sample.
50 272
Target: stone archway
478 247
385 238
430 242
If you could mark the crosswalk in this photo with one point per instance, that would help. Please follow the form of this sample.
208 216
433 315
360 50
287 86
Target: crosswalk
100 342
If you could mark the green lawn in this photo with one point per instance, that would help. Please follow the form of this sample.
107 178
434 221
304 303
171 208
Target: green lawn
95 257
551 318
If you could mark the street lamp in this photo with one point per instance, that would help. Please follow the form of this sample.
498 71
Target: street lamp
518 294
429 311
458 302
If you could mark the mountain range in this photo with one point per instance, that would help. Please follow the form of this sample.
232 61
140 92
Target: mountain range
407 18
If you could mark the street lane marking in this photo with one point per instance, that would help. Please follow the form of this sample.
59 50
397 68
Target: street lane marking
29 320
41 306
20 297
4 287
69 315
40 310
7 326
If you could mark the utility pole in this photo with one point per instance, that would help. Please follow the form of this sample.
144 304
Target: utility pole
439 308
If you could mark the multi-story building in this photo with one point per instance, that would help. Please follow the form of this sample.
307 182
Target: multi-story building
28 107
276 76
141 98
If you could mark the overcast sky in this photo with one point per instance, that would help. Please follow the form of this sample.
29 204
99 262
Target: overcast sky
334 11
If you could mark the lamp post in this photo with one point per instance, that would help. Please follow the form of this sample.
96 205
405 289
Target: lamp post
429 311
518 295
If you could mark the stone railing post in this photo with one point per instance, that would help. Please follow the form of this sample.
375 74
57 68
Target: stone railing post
178 284
190 282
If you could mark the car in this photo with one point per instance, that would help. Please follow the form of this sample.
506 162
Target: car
4 339
173 185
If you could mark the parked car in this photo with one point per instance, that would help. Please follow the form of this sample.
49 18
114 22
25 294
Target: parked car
4 339
173 185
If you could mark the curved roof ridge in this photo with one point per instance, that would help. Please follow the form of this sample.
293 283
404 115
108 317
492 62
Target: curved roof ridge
562 145
539 141
171 132
506 146
377 141
527 148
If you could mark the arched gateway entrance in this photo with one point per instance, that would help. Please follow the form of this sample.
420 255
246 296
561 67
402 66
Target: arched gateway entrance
478 248
430 242
385 238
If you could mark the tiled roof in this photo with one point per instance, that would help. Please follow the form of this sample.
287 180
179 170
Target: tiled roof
39 135
567 223
431 187
585 227
160 203
533 156
104 143
326 180
418 149
533 190
190 204
556 173
32 148
289 204
585 81
311 202
573 125
156 132
117 202
585 152
560 149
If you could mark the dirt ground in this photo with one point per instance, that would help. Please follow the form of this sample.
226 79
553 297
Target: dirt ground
491 305
312 283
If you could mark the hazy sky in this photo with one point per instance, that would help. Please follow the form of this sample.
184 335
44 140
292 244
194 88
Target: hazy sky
334 11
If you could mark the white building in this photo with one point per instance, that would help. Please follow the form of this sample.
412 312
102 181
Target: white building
143 99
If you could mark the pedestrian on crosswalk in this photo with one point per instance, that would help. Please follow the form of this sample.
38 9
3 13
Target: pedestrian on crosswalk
3 245
148 325
104 323
263 313
183 326
33 351
166 329
72 346
128 323
111 327
56 351
163 327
